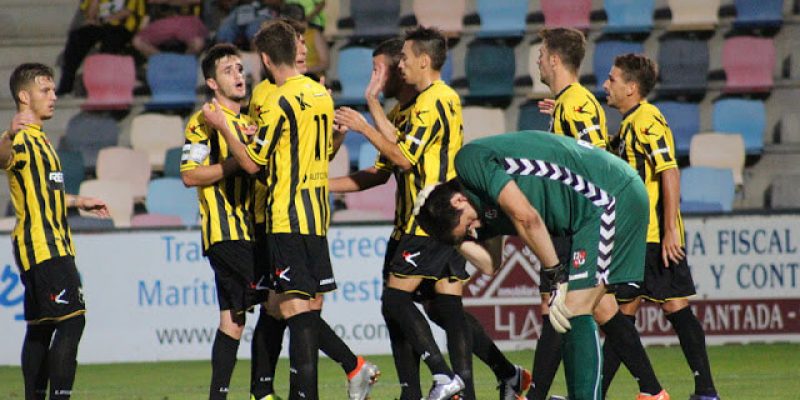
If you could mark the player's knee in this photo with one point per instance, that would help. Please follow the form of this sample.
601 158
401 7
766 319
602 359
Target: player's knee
673 306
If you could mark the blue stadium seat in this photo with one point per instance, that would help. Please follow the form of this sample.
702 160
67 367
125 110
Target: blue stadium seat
490 69
353 142
168 196
447 68
706 189
502 18
354 68
172 79
604 53
683 65
367 154
73 169
742 116
88 133
629 16
375 18
758 13
684 120
172 162
531 119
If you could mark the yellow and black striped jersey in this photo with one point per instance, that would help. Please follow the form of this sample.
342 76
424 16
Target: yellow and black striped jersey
257 101
645 142
36 184
111 7
578 114
294 142
226 206
430 133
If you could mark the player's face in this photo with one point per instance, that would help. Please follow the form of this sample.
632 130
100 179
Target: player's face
230 78
42 97
302 51
393 80
468 221
410 64
616 88
545 65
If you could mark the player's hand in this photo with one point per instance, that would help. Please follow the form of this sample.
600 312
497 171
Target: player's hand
671 251
350 118
95 206
213 114
19 121
546 106
377 81
559 313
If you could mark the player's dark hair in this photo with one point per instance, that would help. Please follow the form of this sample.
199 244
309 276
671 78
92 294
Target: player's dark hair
213 55
392 48
569 44
437 216
25 74
276 39
294 12
640 69
429 41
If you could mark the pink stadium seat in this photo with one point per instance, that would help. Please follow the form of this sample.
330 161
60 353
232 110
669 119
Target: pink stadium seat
379 199
340 165
109 81
569 14
154 220
748 62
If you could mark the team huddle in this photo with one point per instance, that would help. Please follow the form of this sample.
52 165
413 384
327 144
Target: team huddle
601 214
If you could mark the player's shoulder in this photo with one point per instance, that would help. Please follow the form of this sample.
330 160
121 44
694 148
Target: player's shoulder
647 113
262 91
438 90
196 123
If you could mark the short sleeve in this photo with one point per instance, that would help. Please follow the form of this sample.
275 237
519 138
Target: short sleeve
270 128
19 156
657 142
480 169
196 146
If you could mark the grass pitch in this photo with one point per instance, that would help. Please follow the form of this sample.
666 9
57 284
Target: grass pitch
741 372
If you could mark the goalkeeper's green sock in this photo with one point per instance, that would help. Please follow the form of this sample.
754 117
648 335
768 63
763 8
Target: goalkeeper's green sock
583 359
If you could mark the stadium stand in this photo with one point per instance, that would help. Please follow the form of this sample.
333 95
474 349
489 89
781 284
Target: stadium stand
88 133
340 165
490 67
172 162
718 150
155 220
693 15
168 196
706 189
172 79
683 66
748 62
155 134
502 18
375 18
122 164
743 116
629 16
74 170
354 70
109 81
118 195
376 203
684 121
446 15
604 53
758 13
531 119
367 153
785 192
572 14
482 121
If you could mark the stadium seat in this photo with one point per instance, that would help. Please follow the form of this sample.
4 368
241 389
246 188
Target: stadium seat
742 116
353 141
375 18
155 134
172 162
332 11
758 13
604 53
502 18
613 119
538 88
354 69
367 154
118 195
683 66
340 165
447 15
173 80
88 133
694 15
109 81
379 199
706 189
482 121
785 192
490 68
252 66
684 121
125 165
531 119
447 68
748 62
155 220
718 150
629 16
73 169
567 14
168 196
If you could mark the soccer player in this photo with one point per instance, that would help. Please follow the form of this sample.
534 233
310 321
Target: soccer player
532 183
42 241
268 335
294 144
645 142
576 113
387 79
422 154
224 194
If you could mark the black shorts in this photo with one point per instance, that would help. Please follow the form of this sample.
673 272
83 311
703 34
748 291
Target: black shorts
423 257
300 264
53 291
660 284
261 254
563 246
233 264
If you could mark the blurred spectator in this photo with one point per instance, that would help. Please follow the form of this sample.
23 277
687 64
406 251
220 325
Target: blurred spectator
317 58
214 11
241 25
172 21
112 23
314 11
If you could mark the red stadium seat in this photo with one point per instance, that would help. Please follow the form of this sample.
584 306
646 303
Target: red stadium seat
569 14
109 81
379 200
748 62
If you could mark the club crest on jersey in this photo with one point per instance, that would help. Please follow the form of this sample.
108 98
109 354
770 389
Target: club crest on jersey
578 258
409 257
